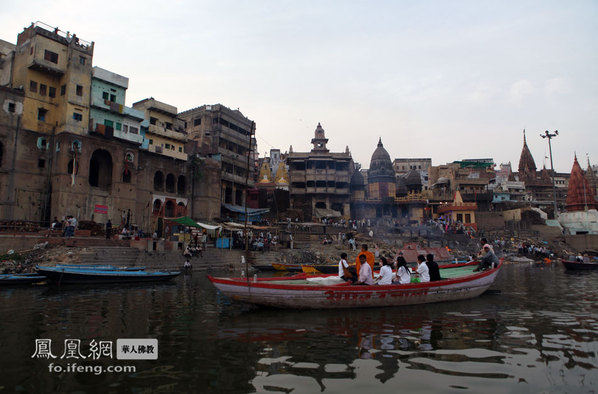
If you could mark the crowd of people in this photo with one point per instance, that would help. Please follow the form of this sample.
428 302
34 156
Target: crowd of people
398 272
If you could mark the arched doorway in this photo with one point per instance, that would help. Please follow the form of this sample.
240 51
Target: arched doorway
169 209
100 169
159 181
170 183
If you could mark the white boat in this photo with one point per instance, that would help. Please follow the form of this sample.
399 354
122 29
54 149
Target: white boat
304 291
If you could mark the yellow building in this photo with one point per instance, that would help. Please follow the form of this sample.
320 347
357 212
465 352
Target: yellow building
166 132
53 68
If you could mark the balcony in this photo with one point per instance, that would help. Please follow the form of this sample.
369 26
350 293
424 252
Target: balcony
162 131
45 66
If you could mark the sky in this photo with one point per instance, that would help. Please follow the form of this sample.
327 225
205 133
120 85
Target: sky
448 80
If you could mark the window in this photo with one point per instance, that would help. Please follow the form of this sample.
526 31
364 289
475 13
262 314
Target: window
169 126
113 97
42 89
180 148
108 123
82 60
33 86
153 120
151 142
167 146
63 90
197 122
133 130
51 56
41 114
77 116
118 126
106 96
125 128
79 90
11 107
52 92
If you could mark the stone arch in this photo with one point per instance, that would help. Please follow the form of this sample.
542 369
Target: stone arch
100 169
169 209
182 185
170 183
159 181
181 209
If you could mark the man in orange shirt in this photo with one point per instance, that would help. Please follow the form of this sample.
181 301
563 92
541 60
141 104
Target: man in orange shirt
369 258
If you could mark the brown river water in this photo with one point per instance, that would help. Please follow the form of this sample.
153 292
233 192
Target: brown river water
536 333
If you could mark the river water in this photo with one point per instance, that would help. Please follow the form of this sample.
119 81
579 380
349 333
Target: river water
537 333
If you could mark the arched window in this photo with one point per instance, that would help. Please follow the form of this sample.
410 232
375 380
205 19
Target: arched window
159 181
157 206
170 183
182 185
100 169
169 209
181 209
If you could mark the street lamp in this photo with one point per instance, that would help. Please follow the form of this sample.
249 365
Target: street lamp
550 136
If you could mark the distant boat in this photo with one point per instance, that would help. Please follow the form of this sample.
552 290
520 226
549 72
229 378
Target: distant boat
304 291
580 265
66 275
21 279
103 267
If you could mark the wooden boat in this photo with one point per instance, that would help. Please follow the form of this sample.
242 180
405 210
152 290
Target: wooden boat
328 291
579 265
64 275
103 267
21 279
286 267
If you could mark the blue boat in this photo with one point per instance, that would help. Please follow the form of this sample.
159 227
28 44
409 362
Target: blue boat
102 267
67 275
21 279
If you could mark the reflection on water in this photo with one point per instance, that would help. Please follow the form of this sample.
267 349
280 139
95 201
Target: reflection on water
540 334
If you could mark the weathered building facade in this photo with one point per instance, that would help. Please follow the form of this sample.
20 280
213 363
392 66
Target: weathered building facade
320 180
70 146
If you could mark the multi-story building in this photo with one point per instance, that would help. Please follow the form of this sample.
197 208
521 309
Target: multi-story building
320 180
109 116
166 133
220 132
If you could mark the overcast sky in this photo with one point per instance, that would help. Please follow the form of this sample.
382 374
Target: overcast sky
448 80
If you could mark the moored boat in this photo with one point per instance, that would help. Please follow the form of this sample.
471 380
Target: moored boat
21 279
103 267
304 291
286 267
572 264
64 275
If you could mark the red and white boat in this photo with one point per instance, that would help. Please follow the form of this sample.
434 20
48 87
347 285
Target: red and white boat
304 291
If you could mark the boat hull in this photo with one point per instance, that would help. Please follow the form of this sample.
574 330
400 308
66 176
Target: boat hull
21 279
78 276
579 266
275 293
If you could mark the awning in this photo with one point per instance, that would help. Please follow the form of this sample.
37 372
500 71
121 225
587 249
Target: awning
187 221
327 213
241 209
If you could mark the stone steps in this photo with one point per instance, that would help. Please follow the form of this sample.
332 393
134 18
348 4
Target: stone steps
114 255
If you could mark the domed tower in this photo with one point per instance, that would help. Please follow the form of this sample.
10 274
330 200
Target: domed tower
319 141
527 166
580 196
381 175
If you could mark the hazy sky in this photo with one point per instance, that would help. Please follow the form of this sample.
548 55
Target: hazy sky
443 79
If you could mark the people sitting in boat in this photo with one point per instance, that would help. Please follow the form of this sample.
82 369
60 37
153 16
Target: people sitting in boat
385 277
369 258
344 269
422 269
366 276
403 275
489 260
432 268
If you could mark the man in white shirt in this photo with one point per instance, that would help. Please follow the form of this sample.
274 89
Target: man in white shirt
365 272
422 269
